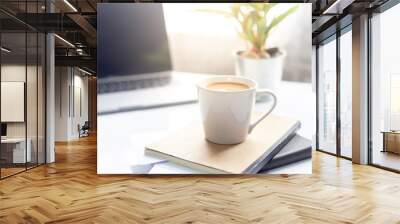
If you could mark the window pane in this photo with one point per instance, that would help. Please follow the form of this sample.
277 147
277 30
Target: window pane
31 98
385 114
41 98
327 97
346 94
32 88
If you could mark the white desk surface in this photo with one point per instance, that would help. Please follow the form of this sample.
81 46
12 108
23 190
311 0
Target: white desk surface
123 136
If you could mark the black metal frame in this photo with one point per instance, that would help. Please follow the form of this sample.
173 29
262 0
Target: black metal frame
338 98
44 71
317 97
369 101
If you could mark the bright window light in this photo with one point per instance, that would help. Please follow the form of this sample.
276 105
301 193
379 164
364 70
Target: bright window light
5 50
64 40
70 5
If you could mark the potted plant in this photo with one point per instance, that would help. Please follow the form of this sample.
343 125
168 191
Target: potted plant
258 62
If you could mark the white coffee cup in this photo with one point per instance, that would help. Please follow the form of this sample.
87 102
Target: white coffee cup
226 114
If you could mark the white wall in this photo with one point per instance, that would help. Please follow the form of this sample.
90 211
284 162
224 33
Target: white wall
79 117
82 82
12 73
15 72
34 126
62 81
69 82
12 101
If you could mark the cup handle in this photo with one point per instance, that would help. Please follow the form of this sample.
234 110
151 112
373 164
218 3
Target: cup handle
275 100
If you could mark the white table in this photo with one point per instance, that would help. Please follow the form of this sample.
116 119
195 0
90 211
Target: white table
123 136
19 155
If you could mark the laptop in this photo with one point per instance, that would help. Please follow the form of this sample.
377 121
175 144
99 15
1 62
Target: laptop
134 60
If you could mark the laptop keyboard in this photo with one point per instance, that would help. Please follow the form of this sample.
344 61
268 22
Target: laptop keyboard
133 84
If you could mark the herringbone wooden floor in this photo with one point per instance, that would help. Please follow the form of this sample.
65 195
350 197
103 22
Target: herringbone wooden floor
69 191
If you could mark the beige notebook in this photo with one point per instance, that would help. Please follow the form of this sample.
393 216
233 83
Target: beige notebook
188 147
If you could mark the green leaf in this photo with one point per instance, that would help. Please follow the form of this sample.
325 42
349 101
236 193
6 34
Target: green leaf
248 27
235 9
243 36
257 6
268 6
280 18
257 29
252 18
261 28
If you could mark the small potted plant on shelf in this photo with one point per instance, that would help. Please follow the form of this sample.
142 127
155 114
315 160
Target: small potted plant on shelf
258 62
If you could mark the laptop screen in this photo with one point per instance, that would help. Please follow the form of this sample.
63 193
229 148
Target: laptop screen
132 39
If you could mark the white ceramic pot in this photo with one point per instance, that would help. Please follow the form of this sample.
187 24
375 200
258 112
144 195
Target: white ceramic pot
266 72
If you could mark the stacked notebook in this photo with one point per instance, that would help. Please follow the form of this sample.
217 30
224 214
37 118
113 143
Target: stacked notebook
298 149
275 137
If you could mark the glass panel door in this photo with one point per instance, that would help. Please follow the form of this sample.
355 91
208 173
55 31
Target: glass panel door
41 79
22 101
31 100
327 96
14 153
346 94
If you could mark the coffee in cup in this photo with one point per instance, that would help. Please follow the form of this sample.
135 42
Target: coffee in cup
226 105
227 86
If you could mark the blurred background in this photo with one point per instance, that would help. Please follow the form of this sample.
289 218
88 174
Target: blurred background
206 42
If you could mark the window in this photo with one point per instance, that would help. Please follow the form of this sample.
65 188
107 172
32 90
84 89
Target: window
385 89
327 97
334 106
14 153
346 93
22 88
